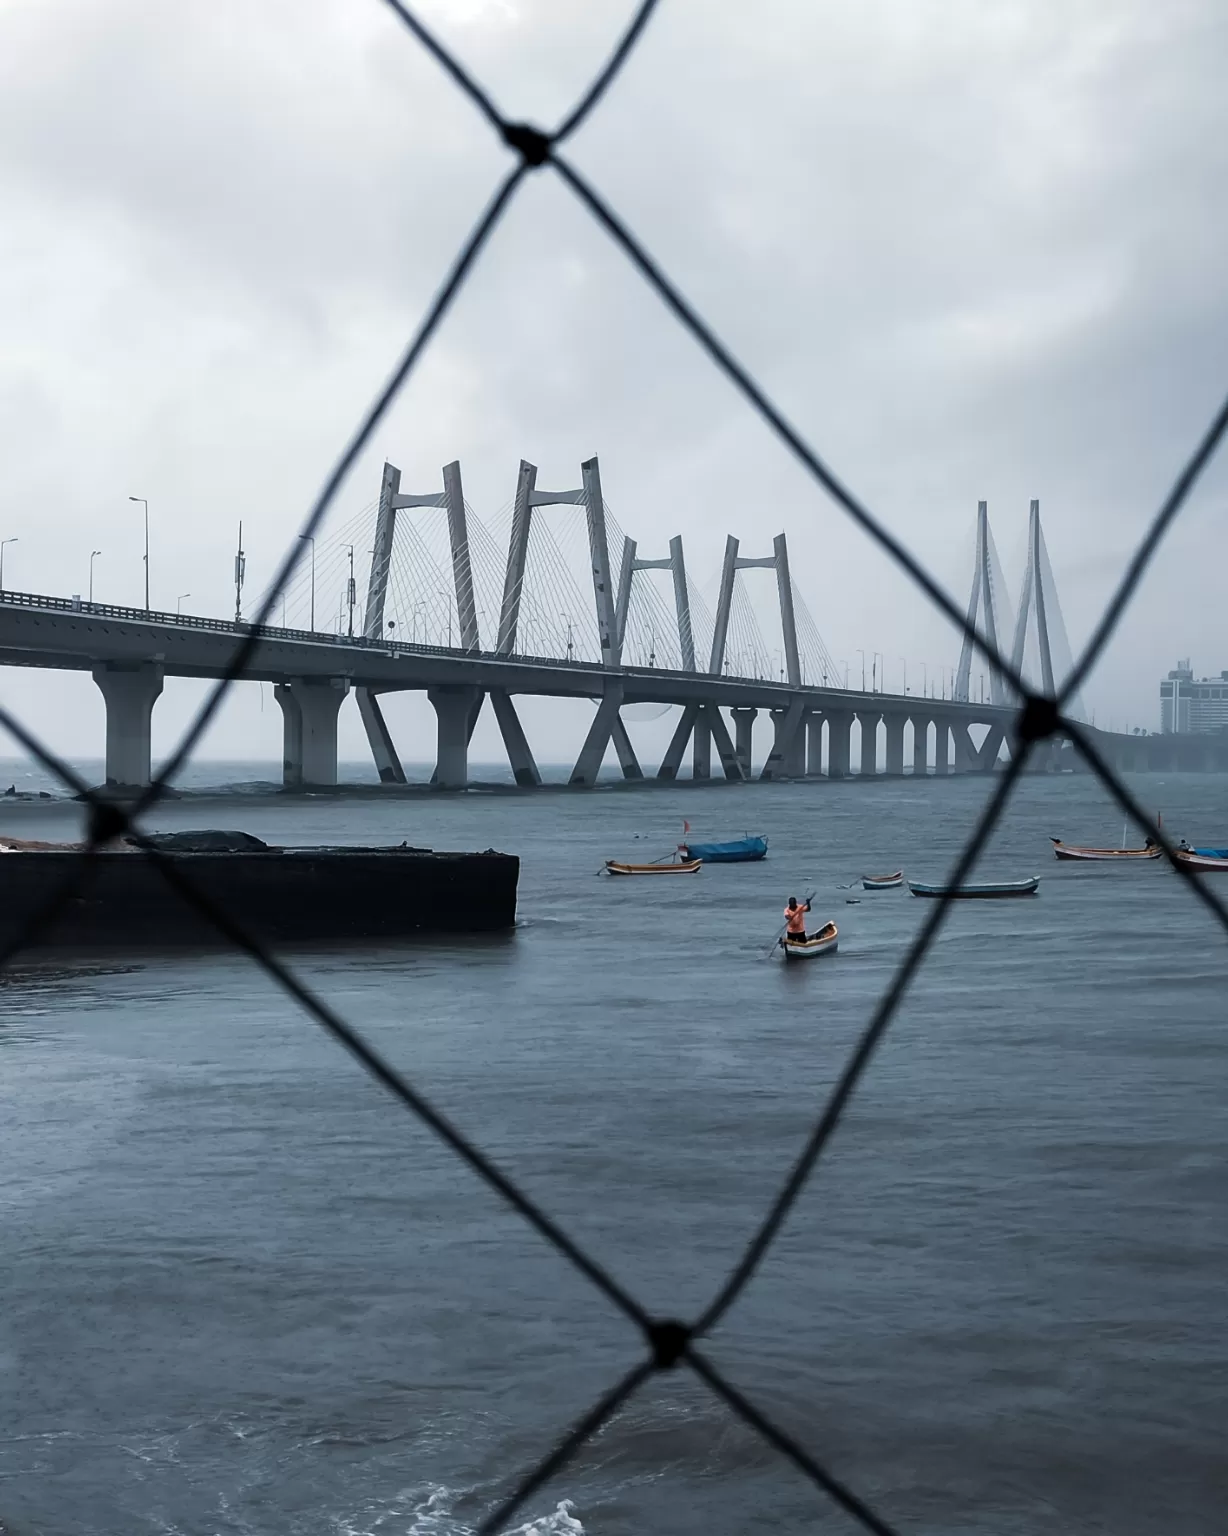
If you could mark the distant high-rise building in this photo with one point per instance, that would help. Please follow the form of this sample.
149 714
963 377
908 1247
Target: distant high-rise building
1192 706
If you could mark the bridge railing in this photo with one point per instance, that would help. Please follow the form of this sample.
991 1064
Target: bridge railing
191 621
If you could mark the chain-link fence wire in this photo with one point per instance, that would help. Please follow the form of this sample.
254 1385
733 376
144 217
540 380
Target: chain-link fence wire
670 1343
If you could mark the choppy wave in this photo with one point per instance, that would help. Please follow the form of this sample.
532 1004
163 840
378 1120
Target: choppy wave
432 1511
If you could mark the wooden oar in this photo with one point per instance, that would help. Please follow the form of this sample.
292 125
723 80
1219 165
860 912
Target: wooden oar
780 934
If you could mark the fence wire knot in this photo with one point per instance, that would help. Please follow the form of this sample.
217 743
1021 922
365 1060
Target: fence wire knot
669 1340
530 143
1039 718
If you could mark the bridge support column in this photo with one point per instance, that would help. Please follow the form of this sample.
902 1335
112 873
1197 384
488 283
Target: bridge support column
455 713
967 758
701 746
130 694
869 743
627 760
839 743
744 727
814 745
672 760
920 748
895 744
782 761
942 746
383 750
519 753
309 709
588 764
730 764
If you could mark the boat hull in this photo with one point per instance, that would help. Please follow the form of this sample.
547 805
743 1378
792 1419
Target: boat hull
882 882
985 892
613 867
1207 862
745 850
824 941
278 896
1102 855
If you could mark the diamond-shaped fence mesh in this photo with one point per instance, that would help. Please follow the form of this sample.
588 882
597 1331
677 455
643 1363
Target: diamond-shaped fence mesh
670 1344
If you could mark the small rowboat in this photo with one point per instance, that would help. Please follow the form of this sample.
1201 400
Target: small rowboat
882 882
1202 858
824 942
963 892
687 867
742 851
1109 855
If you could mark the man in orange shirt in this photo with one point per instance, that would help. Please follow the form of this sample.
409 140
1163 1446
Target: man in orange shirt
795 921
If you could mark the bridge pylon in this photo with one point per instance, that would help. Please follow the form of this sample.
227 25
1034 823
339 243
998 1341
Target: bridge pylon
985 604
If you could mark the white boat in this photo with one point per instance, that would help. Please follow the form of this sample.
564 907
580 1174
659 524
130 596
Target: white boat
823 942
882 882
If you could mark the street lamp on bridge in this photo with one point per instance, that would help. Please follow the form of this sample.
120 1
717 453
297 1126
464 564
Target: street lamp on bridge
904 664
145 504
94 553
309 538
3 542
862 654
179 603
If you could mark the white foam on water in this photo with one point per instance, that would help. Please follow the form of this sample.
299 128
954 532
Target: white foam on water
431 1511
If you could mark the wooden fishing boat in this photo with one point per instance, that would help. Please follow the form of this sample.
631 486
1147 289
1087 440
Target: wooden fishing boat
1202 858
882 882
823 942
1108 855
687 867
741 851
983 891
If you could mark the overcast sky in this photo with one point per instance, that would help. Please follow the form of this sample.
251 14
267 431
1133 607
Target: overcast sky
975 249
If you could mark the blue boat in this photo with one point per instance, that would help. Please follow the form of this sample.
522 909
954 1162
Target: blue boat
1210 853
740 852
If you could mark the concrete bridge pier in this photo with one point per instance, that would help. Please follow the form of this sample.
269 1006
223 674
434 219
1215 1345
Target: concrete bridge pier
814 745
895 744
920 747
309 709
942 746
787 758
701 747
592 753
967 755
383 749
869 742
519 753
839 743
730 765
672 760
744 726
129 694
455 710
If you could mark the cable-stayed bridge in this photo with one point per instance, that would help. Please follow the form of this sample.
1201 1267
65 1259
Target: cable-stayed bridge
415 592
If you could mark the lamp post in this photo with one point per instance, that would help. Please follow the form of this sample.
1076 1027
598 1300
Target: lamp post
94 553
351 592
862 654
875 676
566 617
240 573
447 597
3 542
145 504
311 540
904 664
925 682
179 602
